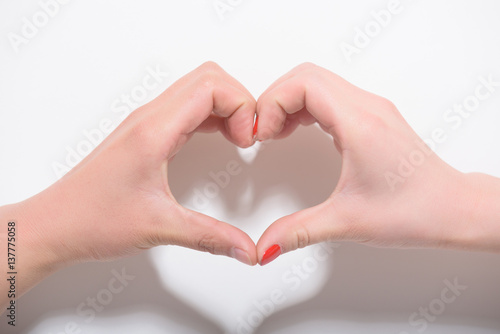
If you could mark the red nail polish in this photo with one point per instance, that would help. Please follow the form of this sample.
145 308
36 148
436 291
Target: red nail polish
271 254
255 125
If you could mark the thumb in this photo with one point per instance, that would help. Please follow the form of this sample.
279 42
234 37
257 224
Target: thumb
200 232
298 230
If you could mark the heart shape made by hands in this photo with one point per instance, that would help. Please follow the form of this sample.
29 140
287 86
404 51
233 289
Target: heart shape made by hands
269 181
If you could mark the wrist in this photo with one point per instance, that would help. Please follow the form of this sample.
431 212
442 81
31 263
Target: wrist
476 214
34 258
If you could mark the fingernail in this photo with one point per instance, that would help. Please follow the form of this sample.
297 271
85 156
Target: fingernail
240 255
255 126
271 254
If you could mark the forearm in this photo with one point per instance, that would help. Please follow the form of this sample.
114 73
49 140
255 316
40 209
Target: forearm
22 252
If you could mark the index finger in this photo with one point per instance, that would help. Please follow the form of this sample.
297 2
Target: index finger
207 91
329 99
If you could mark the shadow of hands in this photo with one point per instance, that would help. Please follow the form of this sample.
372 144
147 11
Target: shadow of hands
209 175
95 297
372 289
285 176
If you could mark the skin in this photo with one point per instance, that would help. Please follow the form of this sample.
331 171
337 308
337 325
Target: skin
117 201
435 207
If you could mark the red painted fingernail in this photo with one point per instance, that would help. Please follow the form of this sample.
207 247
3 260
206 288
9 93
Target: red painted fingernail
255 125
271 254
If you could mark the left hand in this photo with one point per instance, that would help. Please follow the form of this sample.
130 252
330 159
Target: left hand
117 201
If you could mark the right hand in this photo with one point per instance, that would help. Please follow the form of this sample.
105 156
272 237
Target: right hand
431 206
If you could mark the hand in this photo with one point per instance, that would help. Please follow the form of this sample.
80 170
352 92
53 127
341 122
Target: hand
117 201
393 190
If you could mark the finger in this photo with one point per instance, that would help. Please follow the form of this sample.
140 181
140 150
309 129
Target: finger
272 116
277 121
203 233
301 229
291 73
213 123
236 125
182 108
326 96
212 91
216 123
293 121
225 97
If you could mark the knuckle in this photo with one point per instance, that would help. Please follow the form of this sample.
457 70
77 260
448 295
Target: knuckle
376 121
372 126
274 123
209 72
385 105
206 243
314 77
314 71
210 66
307 66
207 79
302 237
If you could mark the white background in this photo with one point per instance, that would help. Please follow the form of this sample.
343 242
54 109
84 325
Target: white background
67 76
